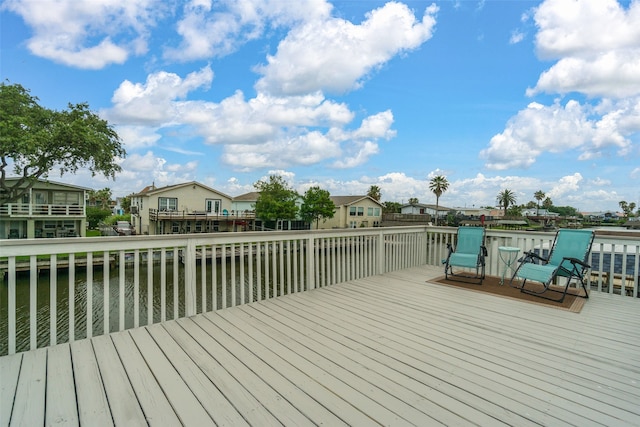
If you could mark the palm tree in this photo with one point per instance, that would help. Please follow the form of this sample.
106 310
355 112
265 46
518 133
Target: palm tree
506 198
438 185
374 192
539 195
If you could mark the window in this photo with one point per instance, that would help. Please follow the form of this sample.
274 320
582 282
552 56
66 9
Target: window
66 198
353 224
212 206
175 227
373 211
41 198
352 211
167 204
360 211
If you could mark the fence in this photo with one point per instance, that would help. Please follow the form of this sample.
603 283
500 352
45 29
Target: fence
59 290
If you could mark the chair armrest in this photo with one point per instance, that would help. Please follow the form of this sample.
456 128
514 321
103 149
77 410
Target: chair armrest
577 261
532 256
484 250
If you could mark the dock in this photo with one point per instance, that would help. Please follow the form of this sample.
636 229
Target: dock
392 349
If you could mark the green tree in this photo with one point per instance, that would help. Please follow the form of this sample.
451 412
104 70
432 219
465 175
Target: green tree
539 196
317 205
627 208
437 186
515 211
413 201
125 203
100 198
374 192
391 207
96 215
564 210
35 141
547 203
276 200
505 198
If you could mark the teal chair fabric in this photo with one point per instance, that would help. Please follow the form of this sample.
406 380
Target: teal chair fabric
469 253
568 259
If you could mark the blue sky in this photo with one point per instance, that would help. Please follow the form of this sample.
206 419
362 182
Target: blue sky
518 95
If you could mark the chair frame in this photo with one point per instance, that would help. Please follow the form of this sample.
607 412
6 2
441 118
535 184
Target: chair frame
479 264
569 267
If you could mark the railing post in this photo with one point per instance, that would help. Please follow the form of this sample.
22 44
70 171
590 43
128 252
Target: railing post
190 278
381 255
310 254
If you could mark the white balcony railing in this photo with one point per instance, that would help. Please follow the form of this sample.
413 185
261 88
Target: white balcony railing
61 290
28 210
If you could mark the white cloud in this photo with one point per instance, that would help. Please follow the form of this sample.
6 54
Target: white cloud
136 137
154 102
265 131
85 34
565 185
213 29
534 130
556 128
334 55
376 126
359 154
146 162
307 149
516 37
597 44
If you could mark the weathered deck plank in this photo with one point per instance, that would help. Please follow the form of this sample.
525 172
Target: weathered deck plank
390 349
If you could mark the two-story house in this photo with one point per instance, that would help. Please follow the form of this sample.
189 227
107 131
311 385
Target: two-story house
189 207
247 203
353 212
48 209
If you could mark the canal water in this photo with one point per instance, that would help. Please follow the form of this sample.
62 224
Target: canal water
80 299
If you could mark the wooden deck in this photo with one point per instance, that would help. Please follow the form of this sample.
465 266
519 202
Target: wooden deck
388 350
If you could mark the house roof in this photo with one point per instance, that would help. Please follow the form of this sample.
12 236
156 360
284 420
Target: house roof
247 197
47 181
350 200
152 189
422 205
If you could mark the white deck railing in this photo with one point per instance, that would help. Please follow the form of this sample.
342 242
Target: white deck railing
54 289
21 210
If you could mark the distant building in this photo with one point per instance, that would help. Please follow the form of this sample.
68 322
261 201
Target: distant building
354 212
247 203
424 209
189 207
49 209
539 212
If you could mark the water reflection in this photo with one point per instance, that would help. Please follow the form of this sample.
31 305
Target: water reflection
151 300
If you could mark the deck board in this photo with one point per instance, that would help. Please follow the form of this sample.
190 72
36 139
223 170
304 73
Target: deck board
392 349
61 399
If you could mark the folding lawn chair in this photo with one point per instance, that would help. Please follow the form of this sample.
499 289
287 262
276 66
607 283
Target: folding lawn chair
568 259
469 253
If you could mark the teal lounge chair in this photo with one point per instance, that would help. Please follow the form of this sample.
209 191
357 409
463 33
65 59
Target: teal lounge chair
469 253
568 259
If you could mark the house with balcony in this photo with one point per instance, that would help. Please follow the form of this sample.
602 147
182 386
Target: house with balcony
49 209
247 203
425 209
354 212
189 207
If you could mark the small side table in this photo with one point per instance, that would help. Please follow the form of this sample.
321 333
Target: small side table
508 255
